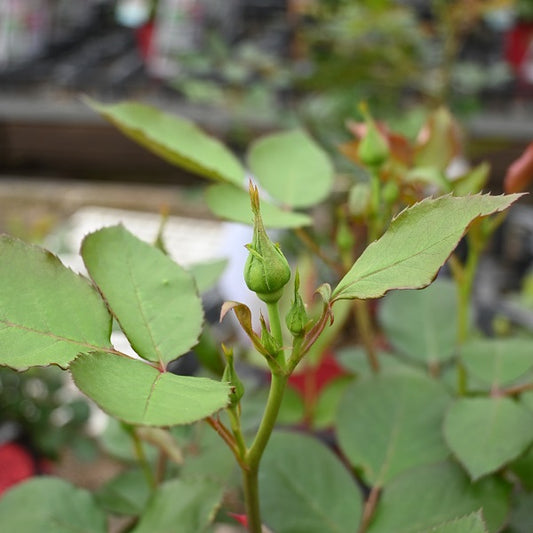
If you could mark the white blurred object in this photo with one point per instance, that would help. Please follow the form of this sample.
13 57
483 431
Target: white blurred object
178 29
25 27
187 240
132 13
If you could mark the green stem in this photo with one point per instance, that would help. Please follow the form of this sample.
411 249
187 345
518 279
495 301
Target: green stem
253 457
237 432
464 277
375 206
141 457
275 322
251 497
364 326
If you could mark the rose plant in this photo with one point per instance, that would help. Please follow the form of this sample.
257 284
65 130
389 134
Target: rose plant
431 422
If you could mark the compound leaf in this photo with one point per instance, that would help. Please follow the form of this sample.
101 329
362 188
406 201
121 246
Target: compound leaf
174 139
487 433
185 505
154 300
497 362
292 168
50 504
48 314
422 324
417 243
300 482
390 423
427 496
138 393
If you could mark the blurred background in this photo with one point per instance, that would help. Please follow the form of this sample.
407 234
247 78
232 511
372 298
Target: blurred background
243 67
238 68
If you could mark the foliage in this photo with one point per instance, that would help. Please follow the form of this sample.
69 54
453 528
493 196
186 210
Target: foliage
425 435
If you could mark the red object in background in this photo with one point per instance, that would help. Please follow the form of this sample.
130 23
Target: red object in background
520 174
241 518
319 376
16 464
519 41
145 37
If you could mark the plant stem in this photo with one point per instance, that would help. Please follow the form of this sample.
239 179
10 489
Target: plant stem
141 457
374 221
364 327
251 497
253 457
237 432
227 437
275 322
465 282
370 507
513 391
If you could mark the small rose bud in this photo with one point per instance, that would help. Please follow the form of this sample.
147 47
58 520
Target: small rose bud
373 149
231 377
269 342
296 318
266 271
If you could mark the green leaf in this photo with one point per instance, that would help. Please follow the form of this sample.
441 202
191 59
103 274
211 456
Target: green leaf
50 504
301 482
523 468
487 433
184 505
390 423
292 168
116 441
125 494
206 458
354 359
472 523
440 145
153 299
138 393
48 314
208 273
329 399
422 324
473 181
428 176
498 362
174 139
527 399
521 519
233 203
427 496
417 243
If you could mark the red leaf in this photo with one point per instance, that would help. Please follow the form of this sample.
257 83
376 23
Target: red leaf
520 173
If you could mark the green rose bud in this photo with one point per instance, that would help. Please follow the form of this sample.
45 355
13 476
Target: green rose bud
296 318
373 149
269 342
266 271
230 376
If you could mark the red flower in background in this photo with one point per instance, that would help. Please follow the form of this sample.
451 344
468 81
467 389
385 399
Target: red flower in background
316 376
16 464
